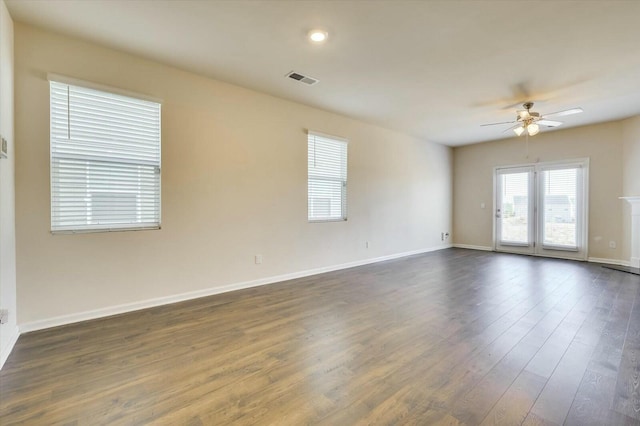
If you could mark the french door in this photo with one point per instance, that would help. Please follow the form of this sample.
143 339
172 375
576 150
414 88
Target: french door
541 209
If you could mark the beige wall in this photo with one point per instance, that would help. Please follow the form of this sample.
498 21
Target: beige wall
602 143
8 331
233 185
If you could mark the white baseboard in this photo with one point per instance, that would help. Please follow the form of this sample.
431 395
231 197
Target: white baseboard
471 247
608 261
4 355
150 303
590 259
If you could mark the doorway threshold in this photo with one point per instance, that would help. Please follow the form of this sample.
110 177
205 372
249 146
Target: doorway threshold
628 269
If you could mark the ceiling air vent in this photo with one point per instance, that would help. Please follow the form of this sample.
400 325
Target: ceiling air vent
302 78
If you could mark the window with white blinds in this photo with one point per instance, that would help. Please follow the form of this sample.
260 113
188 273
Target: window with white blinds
105 160
327 178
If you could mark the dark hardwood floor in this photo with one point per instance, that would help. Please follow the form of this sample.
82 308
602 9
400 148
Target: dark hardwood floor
450 337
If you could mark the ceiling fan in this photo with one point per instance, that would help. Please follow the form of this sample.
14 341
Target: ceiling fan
530 121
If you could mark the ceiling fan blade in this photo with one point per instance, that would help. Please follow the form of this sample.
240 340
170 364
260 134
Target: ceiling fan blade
563 113
495 124
549 123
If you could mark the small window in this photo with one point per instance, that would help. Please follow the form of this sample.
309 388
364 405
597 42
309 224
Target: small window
105 160
327 178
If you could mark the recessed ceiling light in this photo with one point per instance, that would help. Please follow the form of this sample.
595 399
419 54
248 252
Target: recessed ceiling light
318 36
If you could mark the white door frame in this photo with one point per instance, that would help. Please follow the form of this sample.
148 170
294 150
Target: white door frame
583 193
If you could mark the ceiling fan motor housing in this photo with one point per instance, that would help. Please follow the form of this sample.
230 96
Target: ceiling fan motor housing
533 116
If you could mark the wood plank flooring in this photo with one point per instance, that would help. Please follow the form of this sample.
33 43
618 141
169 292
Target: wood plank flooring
451 337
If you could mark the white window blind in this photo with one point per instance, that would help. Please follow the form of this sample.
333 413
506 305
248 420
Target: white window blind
327 178
105 160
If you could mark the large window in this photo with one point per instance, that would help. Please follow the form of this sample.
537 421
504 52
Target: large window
105 160
327 178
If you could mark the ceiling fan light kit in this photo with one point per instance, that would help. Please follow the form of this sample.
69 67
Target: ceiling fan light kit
530 121
533 129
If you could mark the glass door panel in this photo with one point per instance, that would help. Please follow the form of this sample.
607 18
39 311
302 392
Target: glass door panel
514 209
561 201
559 206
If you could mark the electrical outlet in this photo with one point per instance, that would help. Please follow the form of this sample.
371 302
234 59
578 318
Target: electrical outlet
366 244
4 316
258 259
612 244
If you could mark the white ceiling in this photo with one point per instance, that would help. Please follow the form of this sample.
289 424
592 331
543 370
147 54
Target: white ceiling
433 69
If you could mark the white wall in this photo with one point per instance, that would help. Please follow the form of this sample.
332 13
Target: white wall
233 185
631 173
602 143
631 157
8 331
